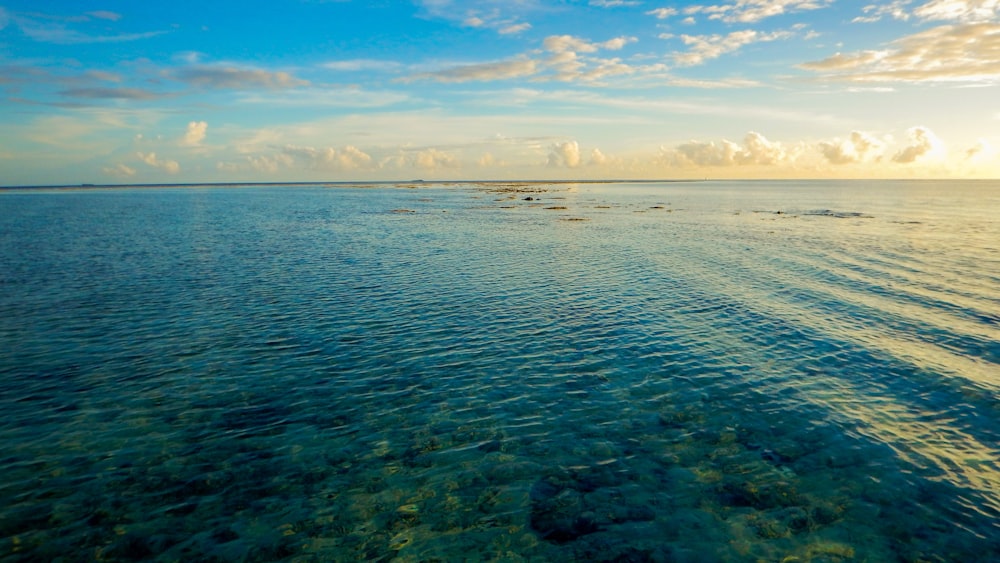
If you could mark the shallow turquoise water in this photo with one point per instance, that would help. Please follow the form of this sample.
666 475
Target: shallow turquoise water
711 371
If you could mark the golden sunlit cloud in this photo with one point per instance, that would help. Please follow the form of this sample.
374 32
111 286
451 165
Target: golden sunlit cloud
949 53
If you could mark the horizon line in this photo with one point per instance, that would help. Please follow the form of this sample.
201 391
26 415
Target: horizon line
421 182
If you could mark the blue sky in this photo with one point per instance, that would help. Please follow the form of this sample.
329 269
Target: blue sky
299 90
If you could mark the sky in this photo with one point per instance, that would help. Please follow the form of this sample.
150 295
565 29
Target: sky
117 92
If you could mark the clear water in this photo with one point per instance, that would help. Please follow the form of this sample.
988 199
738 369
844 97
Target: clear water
732 371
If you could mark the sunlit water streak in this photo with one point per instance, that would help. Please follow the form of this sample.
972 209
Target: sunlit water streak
681 371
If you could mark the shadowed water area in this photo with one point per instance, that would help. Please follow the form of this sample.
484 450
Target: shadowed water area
710 371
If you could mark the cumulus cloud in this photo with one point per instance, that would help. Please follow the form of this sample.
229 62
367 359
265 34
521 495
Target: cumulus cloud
348 158
923 143
598 158
567 154
614 3
948 53
707 47
273 163
168 166
756 150
119 171
228 77
257 163
431 159
858 147
195 134
564 155
423 159
699 153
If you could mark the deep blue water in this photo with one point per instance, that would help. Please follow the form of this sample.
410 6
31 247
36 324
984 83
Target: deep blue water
710 371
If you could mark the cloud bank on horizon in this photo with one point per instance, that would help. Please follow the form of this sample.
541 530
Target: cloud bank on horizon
103 92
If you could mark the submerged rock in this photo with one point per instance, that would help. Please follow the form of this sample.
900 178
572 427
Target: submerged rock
559 515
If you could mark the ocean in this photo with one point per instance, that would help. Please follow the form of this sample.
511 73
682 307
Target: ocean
663 371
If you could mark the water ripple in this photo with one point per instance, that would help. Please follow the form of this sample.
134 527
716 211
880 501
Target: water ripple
676 377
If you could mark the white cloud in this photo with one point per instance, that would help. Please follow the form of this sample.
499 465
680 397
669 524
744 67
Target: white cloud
564 155
563 63
431 159
707 47
425 159
269 163
257 163
756 150
617 43
598 158
959 10
514 29
874 12
750 11
662 13
923 144
119 171
483 14
348 158
195 134
947 53
168 166
569 66
569 43
858 147
698 153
